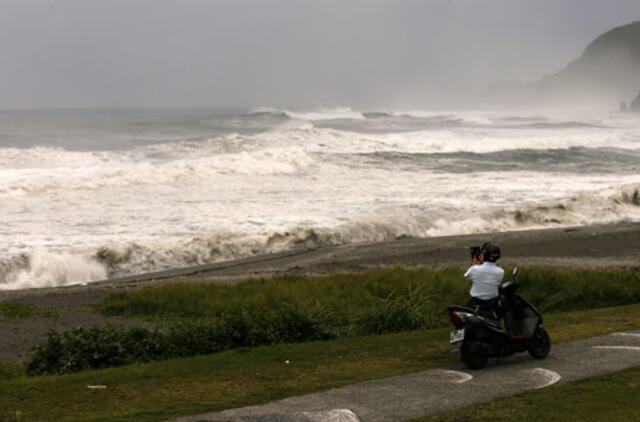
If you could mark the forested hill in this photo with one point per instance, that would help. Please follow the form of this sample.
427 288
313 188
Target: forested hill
607 72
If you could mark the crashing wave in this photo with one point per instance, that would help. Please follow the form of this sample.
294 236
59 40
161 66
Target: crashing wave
47 269
125 172
312 115
287 148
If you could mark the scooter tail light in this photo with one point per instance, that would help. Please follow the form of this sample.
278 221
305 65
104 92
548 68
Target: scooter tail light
458 318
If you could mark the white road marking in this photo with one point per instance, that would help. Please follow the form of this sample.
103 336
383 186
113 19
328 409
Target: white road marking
617 347
461 376
626 334
334 415
549 377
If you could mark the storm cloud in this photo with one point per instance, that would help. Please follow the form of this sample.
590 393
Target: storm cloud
286 53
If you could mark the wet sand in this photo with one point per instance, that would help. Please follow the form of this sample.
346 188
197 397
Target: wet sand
614 245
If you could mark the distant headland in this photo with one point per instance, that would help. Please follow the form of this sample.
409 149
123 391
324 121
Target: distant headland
606 74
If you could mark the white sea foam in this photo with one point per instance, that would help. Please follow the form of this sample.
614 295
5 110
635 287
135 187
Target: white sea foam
74 216
468 118
51 158
92 175
312 115
449 141
284 149
325 114
46 269
41 269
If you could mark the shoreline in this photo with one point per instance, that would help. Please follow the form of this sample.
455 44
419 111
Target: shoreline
604 245
613 245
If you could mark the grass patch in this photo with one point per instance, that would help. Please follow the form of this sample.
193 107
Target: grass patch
246 376
204 318
373 301
23 310
611 397
11 370
342 301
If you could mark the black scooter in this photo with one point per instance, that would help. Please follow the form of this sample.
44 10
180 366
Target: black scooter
479 334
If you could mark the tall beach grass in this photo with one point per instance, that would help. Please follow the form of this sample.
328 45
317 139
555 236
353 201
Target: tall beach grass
351 302
203 318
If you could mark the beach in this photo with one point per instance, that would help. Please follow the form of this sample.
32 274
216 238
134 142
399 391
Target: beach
611 245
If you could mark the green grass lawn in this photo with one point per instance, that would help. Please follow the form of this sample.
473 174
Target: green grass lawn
161 390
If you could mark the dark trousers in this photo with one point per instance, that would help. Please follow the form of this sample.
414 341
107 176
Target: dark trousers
492 304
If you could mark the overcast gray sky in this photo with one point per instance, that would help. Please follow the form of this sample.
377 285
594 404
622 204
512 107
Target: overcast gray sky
286 53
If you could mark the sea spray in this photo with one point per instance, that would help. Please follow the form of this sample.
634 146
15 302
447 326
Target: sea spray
45 269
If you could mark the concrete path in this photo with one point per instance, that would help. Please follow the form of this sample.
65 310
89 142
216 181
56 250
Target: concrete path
410 396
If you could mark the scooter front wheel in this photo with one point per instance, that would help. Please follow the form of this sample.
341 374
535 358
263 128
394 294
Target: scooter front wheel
539 344
472 356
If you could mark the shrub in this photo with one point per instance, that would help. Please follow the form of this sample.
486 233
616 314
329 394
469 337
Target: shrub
286 323
97 347
401 312
101 347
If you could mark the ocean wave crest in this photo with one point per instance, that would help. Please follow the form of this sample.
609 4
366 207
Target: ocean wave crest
125 172
298 148
46 269
334 113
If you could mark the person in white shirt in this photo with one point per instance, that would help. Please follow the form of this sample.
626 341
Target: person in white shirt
486 277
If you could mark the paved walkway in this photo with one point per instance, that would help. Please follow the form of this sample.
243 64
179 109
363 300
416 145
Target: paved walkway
410 396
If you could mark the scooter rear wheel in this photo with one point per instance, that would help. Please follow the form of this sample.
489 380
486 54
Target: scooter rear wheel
471 356
539 344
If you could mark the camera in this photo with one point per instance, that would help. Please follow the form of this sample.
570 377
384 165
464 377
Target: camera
475 251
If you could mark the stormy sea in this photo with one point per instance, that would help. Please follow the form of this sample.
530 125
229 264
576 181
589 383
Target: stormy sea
89 195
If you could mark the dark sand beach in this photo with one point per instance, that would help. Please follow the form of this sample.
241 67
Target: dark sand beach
615 245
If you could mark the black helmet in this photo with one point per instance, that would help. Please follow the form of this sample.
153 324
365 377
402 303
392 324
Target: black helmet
491 252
